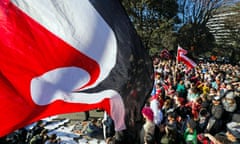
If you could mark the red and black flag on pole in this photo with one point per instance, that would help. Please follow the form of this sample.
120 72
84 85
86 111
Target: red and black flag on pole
181 57
70 56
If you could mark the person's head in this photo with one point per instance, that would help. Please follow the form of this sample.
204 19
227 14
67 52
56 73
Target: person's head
216 100
230 97
194 90
203 112
94 121
167 103
191 124
181 82
158 86
171 116
179 101
147 113
203 97
160 96
206 84
53 137
223 85
229 87
218 80
213 91
233 131
158 76
198 100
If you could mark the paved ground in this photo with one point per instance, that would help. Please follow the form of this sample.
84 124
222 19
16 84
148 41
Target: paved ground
79 116
76 118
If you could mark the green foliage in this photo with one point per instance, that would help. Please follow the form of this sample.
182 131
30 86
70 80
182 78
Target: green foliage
153 51
196 37
154 22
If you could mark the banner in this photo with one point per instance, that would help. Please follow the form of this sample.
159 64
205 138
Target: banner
69 56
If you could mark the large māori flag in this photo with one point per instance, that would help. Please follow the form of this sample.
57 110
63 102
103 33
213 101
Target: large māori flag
70 56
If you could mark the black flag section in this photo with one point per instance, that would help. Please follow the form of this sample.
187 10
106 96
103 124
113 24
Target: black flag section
132 75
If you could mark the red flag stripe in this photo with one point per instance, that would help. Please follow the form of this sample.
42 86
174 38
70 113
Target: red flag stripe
181 57
187 61
180 51
82 32
28 50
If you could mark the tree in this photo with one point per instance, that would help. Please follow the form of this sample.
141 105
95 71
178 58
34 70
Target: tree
195 14
196 38
154 21
198 12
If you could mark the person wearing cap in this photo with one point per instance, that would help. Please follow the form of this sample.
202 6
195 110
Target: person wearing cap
215 122
233 132
149 129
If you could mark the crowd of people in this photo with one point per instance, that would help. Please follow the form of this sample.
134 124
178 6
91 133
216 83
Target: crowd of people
37 135
40 133
198 105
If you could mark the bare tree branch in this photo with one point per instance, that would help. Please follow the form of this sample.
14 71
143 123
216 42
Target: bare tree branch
199 11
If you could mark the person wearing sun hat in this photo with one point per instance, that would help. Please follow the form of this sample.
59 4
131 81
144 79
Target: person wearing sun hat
149 128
